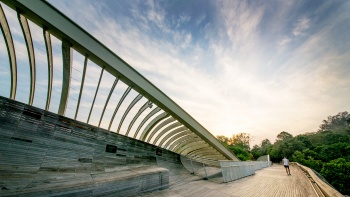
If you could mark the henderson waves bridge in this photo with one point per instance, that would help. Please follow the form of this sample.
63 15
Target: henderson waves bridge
131 149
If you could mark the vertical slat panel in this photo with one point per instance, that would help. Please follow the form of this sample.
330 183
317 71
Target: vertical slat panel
11 52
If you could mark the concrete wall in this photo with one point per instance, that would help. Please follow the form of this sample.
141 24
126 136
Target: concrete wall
42 153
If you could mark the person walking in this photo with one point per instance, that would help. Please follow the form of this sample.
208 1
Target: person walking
286 165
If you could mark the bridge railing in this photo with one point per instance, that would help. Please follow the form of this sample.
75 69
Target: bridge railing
321 188
233 170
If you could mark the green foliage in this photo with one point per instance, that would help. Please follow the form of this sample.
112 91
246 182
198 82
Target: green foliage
242 140
256 151
337 123
241 153
223 139
337 172
306 159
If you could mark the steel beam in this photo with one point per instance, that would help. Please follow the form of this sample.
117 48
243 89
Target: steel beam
29 43
11 52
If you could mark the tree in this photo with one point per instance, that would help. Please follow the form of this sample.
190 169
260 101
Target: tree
284 135
256 151
242 140
265 146
337 172
338 122
223 139
241 153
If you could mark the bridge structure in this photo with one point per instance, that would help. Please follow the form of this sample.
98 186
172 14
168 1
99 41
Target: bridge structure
165 125
133 135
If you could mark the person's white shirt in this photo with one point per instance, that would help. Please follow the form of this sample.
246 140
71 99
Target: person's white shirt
285 162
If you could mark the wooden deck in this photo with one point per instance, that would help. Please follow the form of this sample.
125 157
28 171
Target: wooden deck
271 181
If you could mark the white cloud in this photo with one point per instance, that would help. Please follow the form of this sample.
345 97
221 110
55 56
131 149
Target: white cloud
301 26
284 42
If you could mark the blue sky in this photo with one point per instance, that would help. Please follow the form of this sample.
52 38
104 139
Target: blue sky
259 67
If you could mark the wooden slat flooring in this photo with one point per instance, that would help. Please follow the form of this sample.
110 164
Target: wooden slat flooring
271 181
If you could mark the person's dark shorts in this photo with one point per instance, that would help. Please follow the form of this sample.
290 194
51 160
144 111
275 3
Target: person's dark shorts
286 166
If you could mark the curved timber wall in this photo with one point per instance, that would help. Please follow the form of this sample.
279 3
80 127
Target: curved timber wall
43 153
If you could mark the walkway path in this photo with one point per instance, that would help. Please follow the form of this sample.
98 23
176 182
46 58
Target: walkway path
271 181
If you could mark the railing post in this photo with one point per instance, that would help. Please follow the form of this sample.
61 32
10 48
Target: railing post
206 176
192 166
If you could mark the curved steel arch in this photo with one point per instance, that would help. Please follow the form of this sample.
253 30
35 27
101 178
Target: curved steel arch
139 112
153 123
195 148
212 156
107 101
177 138
172 133
165 130
119 104
183 149
11 52
199 150
74 37
203 152
132 104
182 140
149 115
48 48
191 143
29 43
97 88
161 125
81 85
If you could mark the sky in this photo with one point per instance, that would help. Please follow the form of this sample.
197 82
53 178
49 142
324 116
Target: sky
258 67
